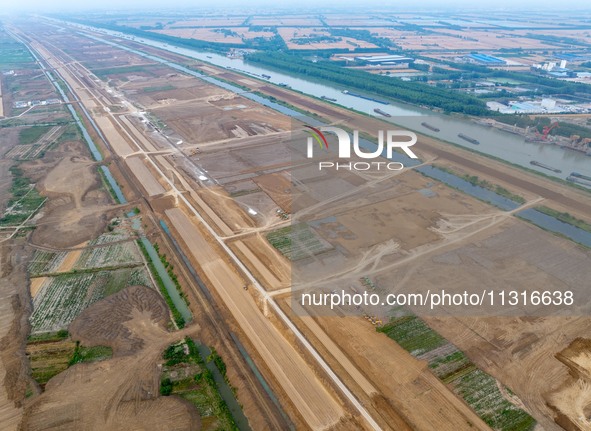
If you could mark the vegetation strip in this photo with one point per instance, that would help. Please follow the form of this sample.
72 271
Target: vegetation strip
452 367
188 374
176 314
565 218
410 92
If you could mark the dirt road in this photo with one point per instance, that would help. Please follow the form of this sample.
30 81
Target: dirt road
310 397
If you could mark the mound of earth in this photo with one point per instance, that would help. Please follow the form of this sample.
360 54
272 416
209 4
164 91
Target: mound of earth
121 393
78 206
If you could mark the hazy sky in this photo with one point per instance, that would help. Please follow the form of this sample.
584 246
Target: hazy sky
305 5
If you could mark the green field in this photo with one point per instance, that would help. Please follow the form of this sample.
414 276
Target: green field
477 388
187 376
24 202
30 135
297 241
52 355
49 358
90 354
13 55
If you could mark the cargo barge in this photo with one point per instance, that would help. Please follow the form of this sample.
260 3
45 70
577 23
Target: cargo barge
379 111
581 176
330 99
430 127
468 139
541 165
383 102
577 180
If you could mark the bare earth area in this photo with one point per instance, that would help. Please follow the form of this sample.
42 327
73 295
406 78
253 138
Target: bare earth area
122 392
78 208
13 328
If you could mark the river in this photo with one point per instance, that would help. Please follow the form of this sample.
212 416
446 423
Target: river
494 142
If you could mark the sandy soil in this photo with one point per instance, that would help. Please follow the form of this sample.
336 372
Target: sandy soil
122 392
272 269
36 284
14 310
79 206
317 406
405 382
144 176
572 401
120 145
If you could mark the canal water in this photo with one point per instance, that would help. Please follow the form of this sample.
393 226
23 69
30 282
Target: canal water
554 225
471 129
224 389
494 142
476 191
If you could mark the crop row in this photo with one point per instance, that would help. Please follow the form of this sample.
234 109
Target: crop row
62 298
109 255
453 367
45 261
297 242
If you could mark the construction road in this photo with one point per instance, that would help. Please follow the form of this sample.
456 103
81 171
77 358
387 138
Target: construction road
319 408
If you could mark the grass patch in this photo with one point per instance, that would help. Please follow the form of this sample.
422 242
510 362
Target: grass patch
30 135
475 181
454 368
297 241
176 315
24 202
90 354
158 88
412 334
48 336
186 374
565 218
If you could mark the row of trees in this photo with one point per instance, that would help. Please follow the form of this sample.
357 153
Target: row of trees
544 85
565 129
410 92
274 43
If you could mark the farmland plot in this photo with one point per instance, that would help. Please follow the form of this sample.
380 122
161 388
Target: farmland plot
117 235
62 298
45 262
480 390
108 256
298 242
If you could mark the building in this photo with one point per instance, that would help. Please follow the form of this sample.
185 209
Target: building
548 104
486 59
383 60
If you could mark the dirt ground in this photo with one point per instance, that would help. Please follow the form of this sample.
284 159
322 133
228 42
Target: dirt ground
312 399
147 179
571 400
407 384
424 231
122 392
79 206
14 311
272 269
